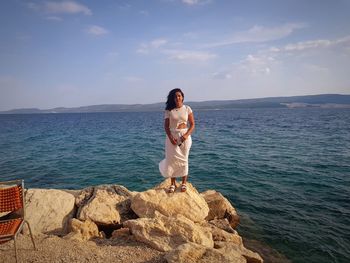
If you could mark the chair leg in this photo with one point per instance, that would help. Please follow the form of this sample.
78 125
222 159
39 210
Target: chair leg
31 235
14 239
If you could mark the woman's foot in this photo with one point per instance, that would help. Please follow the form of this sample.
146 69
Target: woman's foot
171 188
183 187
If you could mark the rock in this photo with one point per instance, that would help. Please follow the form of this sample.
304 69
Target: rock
122 232
194 253
48 210
220 207
175 223
104 205
222 224
222 235
165 233
84 196
268 253
82 231
229 248
189 204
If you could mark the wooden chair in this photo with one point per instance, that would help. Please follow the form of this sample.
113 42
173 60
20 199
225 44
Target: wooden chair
12 209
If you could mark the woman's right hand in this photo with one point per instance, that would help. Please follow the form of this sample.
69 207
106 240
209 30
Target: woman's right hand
173 140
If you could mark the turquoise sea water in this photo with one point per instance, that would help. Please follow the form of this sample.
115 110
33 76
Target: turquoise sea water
287 171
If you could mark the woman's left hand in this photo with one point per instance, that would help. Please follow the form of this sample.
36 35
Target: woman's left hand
184 137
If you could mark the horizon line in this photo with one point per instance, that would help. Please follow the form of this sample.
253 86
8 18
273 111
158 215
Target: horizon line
153 103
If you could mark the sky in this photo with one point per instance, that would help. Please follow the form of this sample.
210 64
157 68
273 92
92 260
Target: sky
87 52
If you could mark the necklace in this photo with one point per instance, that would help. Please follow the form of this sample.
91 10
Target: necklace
178 112
178 108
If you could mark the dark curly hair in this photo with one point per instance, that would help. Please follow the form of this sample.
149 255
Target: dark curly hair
170 103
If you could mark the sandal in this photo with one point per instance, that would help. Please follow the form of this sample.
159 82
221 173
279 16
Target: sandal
183 188
171 189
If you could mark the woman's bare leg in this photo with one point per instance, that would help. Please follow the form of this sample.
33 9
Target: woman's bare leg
172 186
183 184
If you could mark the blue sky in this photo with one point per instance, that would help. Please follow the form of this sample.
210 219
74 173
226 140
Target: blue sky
76 53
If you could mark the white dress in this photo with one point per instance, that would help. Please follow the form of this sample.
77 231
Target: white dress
175 163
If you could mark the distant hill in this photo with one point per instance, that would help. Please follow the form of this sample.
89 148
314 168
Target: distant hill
310 101
320 101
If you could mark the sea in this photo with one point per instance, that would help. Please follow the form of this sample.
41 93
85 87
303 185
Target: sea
286 171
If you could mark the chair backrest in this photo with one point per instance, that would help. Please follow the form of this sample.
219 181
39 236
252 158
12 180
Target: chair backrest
11 196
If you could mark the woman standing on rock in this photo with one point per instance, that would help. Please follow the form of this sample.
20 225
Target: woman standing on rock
178 125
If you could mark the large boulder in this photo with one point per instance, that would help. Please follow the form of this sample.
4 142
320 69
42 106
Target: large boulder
220 207
231 249
104 204
222 235
194 253
189 204
165 233
48 210
82 231
223 224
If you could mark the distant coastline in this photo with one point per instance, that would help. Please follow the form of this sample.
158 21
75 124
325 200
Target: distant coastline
309 101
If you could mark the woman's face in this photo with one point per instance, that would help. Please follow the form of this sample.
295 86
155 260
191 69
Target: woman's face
178 99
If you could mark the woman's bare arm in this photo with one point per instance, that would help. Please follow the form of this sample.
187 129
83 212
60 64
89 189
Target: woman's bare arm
167 131
191 128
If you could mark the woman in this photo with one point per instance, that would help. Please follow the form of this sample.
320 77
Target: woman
178 125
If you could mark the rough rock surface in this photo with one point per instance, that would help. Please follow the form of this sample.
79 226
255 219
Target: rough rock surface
166 233
104 205
191 227
189 204
222 235
53 249
220 207
122 232
222 224
82 231
194 253
231 249
48 210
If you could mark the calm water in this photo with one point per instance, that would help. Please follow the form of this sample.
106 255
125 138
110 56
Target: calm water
286 171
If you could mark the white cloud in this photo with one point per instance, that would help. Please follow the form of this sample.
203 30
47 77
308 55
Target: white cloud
307 45
146 48
274 49
313 44
267 71
250 66
222 75
97 30
157 43
191 35
144 12
163 46
54 18
124 6
258 34
33 6
190 2
143 49
284 59
255 64
195 2
189 56
66 7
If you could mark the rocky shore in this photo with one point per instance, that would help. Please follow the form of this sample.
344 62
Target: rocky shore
109 223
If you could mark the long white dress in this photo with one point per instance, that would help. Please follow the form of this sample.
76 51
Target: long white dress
175 163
